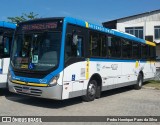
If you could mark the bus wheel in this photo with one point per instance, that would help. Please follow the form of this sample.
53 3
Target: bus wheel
139 82
91 91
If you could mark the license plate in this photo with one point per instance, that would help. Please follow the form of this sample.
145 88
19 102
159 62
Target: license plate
25 89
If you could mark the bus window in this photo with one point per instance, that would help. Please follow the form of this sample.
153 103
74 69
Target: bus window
74 46
103 47
98 46
79 47
114 46
6 46
144 48
68 46
1 46
1 39
126 49
94 45
152 52
136 50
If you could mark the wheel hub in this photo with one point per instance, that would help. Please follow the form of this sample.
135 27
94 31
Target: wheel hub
91 89
140 82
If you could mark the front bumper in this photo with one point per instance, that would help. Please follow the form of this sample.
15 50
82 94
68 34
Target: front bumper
54 92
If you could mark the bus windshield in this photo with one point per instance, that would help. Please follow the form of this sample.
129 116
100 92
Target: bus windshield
36 51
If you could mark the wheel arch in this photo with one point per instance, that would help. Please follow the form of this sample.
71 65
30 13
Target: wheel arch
141 72
98 78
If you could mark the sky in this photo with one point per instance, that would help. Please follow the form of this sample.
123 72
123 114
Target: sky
93 11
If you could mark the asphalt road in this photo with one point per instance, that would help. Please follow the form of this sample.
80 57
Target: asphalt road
118 102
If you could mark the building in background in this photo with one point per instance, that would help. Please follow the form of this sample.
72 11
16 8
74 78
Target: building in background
144 25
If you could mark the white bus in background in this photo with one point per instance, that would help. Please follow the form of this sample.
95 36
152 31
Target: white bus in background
6 34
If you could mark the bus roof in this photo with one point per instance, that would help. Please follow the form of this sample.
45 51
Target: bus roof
7 25
106 30
96 27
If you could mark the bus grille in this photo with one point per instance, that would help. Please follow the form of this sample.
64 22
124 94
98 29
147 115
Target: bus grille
30 91
31 75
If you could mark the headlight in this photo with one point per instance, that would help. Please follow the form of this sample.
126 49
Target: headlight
54 81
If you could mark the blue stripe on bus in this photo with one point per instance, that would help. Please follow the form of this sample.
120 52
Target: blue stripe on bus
75 21
103 29
7 25
115 60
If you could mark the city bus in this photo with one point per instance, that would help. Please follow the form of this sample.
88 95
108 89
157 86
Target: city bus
62 58
6 33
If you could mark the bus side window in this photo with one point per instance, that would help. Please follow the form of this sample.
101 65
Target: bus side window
126 49
114 46
6 50
109 40
80 47
68 46
94 44
136 50
152 53
74 46
103 46
144 53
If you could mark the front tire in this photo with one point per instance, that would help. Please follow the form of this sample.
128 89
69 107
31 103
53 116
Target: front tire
91 91
139 82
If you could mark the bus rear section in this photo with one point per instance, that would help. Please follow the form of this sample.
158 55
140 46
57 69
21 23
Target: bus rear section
6 34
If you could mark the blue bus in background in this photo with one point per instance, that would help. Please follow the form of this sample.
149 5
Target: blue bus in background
62 58
6 35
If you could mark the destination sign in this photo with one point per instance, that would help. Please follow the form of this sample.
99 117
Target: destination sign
40 26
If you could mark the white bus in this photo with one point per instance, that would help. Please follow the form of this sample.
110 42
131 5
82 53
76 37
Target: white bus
6 33
62 58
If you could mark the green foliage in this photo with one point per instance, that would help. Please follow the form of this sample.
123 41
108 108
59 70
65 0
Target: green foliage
22 18
153 84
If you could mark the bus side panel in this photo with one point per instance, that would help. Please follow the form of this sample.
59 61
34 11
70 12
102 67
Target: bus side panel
3 80
149 70
109 72
4 63
129 72
74 80
114 74
152 65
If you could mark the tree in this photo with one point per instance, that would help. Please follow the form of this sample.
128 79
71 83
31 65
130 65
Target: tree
23 17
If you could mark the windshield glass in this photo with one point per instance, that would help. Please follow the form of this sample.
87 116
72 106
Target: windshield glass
36 51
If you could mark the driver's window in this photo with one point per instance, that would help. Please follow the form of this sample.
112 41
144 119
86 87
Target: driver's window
74 46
